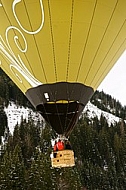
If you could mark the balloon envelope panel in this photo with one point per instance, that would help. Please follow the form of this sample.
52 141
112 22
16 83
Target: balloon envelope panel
58 52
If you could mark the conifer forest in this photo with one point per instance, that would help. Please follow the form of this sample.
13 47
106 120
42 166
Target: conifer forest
99 148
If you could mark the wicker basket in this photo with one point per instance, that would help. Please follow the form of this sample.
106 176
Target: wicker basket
64 158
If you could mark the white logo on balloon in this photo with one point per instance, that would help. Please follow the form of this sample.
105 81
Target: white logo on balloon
16 61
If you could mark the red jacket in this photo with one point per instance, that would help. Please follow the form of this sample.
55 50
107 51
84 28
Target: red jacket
60 145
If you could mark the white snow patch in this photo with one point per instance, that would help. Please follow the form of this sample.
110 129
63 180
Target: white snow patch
93 111
15 113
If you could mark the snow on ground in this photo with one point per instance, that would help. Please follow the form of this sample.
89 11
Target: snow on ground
93 111
16 113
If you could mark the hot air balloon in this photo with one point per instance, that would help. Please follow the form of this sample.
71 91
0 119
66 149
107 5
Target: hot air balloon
58 52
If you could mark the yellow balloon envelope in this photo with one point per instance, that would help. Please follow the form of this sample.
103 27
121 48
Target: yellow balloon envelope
58 52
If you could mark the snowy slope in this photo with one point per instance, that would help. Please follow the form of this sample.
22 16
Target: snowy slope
93 111
15 113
